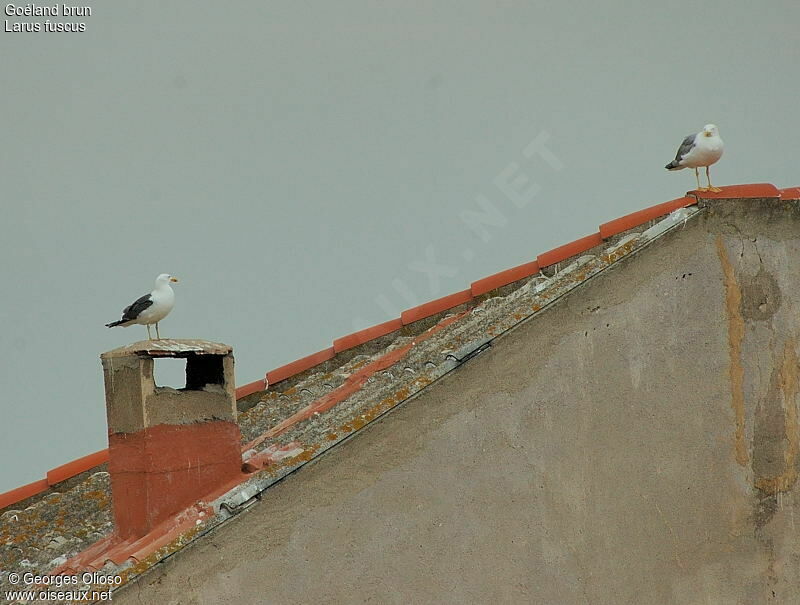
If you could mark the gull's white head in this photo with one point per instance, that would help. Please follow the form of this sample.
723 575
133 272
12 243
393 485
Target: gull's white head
166 278
710 130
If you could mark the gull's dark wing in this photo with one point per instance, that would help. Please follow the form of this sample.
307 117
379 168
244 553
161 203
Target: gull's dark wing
135 309
685 147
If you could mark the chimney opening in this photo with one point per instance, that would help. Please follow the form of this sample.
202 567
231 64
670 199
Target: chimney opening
169 372
204 370
189 374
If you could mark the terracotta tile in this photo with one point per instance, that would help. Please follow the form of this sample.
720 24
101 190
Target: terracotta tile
116 551
756 190
640 217
161 536
250 388
791 193
367 334
556 255
300 365
503 278
271 455
435 306
20 493
70 469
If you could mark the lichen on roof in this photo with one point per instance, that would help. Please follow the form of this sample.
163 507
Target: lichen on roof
47 533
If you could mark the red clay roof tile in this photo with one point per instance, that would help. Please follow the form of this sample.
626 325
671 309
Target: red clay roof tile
503 278
20 493
755 190
251 387
791 193
635 219
300 365
70 469
159 537
556 255
435 306
367 334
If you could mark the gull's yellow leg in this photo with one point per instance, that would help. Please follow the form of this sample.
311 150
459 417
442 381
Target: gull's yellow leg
149 336
710 186
158 336
697 176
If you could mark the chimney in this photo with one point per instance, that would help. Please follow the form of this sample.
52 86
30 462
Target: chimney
168 448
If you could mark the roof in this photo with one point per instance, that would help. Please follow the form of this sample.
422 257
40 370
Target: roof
639 436
299 410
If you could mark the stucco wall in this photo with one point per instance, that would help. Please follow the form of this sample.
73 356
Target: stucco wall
635 443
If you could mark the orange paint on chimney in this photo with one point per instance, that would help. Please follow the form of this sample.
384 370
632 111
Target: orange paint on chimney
168 448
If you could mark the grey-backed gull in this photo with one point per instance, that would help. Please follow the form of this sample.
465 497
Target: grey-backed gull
150 308
700 149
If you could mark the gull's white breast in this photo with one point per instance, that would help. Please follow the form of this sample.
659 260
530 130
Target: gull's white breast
163 301
706 151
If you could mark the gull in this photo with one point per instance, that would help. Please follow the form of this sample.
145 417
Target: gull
700 149
150 308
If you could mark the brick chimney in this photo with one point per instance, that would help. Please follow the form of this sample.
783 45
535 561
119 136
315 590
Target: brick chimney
168 447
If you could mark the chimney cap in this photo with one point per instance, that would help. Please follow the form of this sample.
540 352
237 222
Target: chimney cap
169 347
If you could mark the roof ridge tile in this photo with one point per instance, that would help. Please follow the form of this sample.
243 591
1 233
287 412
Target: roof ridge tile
503 278
790 193
435 306
634 219
749 190
299 365
76 467
23 492
556 255
344 343
251 387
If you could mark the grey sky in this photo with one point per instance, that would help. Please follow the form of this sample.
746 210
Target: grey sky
295 164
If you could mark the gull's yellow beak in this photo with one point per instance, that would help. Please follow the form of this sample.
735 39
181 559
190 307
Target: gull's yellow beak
174 280
707 133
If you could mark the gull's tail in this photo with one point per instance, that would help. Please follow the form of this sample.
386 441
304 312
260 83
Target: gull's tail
115 323
673 165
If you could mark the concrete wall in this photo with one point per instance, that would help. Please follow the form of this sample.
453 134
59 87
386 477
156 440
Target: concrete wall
635 443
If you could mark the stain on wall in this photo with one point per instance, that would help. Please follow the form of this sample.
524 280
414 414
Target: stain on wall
776 438
776 433
760 296
733 301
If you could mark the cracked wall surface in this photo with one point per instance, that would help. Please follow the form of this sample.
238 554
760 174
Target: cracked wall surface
636 442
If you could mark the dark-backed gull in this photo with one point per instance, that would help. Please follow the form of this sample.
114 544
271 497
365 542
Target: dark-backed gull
700 149
150 308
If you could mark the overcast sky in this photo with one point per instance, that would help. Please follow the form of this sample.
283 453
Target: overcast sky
311 168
